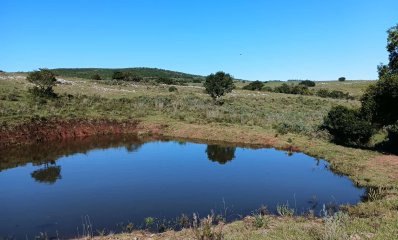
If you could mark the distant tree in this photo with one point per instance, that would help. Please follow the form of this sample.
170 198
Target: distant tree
218 84
117 75
254 86
342 79
347 126
44 80
165 80
307 83
96 77
220 154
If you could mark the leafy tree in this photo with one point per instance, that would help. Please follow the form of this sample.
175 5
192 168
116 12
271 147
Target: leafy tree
254 86
44 80
342 79
218 84
307 83
392 48
347 126
380 101
220 154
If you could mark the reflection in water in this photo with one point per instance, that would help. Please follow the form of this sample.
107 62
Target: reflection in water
48 174
220 154
165 180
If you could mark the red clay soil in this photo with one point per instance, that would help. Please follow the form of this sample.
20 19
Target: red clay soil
38 131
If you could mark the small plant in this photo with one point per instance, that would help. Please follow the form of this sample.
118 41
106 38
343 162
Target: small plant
284 210
375 193
149 221
205 230
334 227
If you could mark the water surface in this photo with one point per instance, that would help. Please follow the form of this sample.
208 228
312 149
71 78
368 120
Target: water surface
52 187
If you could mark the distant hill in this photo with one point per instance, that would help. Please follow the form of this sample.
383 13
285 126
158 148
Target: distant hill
106 73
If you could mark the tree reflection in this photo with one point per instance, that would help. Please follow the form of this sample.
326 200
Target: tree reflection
220 154
48 174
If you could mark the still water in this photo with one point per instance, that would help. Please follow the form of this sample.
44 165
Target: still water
56 187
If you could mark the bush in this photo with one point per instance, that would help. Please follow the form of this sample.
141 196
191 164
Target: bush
342 79
307 83
379 103
254 86
44 80
347 126
167 81
218 84
96 77
173 89
118 75
293 89
324 93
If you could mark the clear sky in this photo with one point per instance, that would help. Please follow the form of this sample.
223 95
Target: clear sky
251 39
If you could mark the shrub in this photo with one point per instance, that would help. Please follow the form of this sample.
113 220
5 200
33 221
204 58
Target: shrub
165 80
254 86
324 93
118 75
173 89
307 83
293 89
218 84
44 80
284 210
96 77
342 79
347 126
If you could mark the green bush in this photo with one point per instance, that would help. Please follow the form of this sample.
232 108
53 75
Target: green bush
307 83
96 77
167 81
254 86
44 80
173 89
324 93
342 79
347 126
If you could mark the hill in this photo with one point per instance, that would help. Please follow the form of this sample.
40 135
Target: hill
106 73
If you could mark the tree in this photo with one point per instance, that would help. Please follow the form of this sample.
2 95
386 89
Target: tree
254 86
220 154
218 84
342 79
44 80
392 48
347 126
380 101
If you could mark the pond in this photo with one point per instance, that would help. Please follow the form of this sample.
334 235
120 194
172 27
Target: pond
109 182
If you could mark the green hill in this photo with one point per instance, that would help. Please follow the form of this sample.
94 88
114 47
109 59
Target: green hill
106 73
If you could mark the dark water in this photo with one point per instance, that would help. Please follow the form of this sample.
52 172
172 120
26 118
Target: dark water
52 187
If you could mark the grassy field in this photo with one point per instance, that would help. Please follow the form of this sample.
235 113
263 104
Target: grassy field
246 117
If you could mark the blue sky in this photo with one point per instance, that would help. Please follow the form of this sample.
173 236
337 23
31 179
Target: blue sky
251 39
